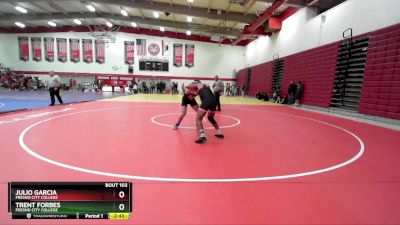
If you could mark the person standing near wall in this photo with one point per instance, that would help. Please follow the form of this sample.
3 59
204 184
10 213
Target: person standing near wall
299 93
54 84
291 92
228 89
135 88
218 88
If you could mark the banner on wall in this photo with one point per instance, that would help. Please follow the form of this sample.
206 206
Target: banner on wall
62 49
49 49
189 55
115 80
129 52
100 51
74 49
23 44
141 47
126 78
178 54
36 48
87 50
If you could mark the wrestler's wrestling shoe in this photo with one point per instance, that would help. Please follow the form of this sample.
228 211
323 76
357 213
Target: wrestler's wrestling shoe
201 140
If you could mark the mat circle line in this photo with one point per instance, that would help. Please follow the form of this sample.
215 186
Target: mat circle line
153 119
186 180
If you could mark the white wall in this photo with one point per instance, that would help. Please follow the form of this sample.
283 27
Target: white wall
300 32
210 59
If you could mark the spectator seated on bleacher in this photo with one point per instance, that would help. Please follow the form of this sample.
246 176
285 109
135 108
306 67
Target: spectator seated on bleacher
261 95
274 96
281 99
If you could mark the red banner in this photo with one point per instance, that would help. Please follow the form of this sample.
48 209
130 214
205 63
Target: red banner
62 49
49 49
23 44
87 49
189 55
125 78
129 52
100 51
74 49
36 48
115 80
178 54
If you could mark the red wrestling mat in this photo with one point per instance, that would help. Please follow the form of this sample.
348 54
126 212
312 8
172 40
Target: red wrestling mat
276 165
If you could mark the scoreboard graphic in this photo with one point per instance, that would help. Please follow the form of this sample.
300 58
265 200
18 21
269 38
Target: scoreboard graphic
70 200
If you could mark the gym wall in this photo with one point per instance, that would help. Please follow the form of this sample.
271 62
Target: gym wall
304 30
210 59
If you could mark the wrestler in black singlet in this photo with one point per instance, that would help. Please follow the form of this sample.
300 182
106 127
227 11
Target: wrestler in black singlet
208 100
186 101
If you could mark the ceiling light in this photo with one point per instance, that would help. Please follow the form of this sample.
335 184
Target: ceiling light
91 8
19 24
52 23
190 1
189 19
109 24
134 24
77 21
188 33
124 12
162 29
156 15
20 9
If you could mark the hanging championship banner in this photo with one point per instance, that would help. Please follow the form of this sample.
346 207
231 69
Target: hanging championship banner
87 50
178 53
23 44
74 49
189 55
129 52
100 51
62 49
36 48
49 49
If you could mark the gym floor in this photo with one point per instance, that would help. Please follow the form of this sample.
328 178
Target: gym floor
14 100
276 165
